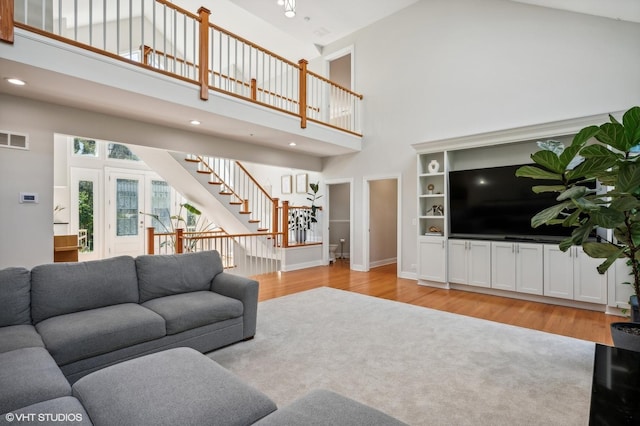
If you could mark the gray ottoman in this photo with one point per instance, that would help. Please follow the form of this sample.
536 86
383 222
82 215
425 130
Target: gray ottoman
175 387
326 408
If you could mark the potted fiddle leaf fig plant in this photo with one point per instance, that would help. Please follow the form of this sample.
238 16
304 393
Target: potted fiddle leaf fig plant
606 153
301 219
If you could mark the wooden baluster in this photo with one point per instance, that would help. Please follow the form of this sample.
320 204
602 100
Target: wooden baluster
303 92
6 21
285 224
146 52
204 53
179 240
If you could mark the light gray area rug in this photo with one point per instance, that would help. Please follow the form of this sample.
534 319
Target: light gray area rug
422 366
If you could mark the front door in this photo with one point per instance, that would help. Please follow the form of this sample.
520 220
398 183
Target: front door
125 206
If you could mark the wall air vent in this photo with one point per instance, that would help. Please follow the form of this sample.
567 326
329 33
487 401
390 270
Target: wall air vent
13 140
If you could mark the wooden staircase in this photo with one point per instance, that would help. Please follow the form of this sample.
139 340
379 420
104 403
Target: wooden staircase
242 192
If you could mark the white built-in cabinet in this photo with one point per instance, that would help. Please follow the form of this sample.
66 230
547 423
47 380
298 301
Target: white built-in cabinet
432 265
470 262
517 267
533 269
573 275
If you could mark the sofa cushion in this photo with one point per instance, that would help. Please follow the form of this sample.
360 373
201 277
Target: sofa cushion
64 411
164 275
174 387
15 297
28 376
19 336
191 310
63 288
85 334
322 407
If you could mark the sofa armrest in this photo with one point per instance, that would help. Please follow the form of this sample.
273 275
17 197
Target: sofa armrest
245 290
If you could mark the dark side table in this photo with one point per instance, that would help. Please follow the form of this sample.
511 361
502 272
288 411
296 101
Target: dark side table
615 393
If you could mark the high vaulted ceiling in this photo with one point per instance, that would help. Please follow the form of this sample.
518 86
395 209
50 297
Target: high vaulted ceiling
322 22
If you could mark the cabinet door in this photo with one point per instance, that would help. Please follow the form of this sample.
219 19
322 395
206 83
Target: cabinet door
503 266
479 263
529 264
589 285
432 260
458 261
558 272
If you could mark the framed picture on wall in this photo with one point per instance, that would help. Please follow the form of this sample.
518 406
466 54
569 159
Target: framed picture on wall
301 183
285 184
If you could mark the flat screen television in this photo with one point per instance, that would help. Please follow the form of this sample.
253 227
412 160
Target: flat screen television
493 203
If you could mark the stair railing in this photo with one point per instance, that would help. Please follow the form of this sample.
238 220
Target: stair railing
245 254
235 181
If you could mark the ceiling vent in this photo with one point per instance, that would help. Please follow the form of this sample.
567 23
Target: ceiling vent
13 140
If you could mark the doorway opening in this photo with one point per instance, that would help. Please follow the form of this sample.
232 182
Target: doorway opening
382 239
339 219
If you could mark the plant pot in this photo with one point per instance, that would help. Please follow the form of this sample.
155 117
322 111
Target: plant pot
626 335
635 311
301 236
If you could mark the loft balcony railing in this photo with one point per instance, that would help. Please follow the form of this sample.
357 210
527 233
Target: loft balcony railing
160 36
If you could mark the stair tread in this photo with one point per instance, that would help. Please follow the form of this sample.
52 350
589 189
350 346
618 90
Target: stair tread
235 203
254 221
226 193
245 212
215 183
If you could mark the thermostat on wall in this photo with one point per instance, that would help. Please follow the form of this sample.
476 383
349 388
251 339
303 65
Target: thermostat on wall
28 197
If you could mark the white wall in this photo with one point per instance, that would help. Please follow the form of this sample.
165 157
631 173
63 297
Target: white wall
445 68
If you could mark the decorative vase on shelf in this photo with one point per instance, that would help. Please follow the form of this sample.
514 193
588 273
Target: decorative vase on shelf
433 166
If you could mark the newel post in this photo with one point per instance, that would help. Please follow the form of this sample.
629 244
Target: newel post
203 74
151 248
285 224
6 21
274 215
303 92
254 89
179 240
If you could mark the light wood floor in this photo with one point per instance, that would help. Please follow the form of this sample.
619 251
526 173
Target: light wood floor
383 282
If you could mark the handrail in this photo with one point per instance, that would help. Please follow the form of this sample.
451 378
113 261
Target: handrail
196 51
248 253
266 194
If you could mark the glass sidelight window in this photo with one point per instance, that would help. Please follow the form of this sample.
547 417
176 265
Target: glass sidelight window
85 216
161 205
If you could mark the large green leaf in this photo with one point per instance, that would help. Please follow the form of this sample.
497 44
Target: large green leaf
581 233
613 134
625 203
592 167
628 178
585 204
549 161
538 189
573 192
565 244
584 135
602 250
537 173
631 122
607 217
593 151
572 220
602 268
548 214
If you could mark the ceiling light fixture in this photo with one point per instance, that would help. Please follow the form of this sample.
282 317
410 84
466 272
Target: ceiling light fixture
194 122
280 2
289 8
292 144
16 81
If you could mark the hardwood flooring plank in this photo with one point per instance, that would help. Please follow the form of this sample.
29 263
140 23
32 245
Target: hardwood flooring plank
383 282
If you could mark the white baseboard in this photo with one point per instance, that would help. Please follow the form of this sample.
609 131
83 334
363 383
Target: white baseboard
383 262
408 275
297 266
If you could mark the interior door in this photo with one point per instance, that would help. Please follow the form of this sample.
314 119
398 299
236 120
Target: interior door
125 221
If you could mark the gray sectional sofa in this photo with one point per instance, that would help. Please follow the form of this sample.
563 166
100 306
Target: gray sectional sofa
118 341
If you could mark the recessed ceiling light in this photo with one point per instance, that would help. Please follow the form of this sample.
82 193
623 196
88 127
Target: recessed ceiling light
194 122
292 144
16 81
